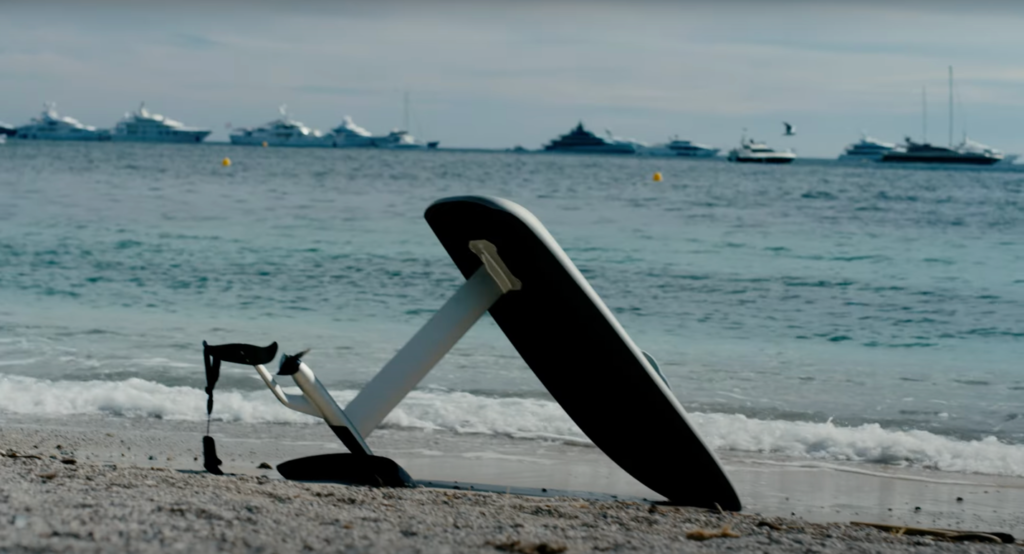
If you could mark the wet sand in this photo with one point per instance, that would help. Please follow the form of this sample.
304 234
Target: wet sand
143 490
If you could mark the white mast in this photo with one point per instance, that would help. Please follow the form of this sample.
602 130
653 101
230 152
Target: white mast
924 114
405 111
951 106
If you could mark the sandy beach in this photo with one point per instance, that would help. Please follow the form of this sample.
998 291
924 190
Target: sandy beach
84 488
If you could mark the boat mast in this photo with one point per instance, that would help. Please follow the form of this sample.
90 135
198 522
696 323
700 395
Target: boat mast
951 106
924 114
405 112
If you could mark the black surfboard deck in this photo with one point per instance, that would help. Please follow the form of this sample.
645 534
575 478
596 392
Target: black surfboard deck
581 353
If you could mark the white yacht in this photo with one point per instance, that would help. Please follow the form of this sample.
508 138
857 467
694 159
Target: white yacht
969 146
683 148
867 149
402 140
7 130
283 131
52 126
350 135
751 151
143 126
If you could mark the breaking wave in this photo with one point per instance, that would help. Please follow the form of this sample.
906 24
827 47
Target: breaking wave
465 413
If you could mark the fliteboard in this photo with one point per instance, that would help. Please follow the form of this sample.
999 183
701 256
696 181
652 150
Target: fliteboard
581 353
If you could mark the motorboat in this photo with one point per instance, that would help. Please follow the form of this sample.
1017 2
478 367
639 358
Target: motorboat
283 131
350 135
7 130
972 146
752 151
683 148
866 149
52 126
966 153
402 140
144 126
922 152
581 140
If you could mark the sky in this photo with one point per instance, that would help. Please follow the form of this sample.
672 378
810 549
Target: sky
493 74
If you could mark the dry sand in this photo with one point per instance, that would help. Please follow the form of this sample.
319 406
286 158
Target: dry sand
106 502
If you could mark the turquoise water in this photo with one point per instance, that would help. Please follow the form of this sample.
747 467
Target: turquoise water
849 300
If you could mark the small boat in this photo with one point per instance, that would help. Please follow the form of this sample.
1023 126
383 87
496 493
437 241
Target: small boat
581 140
52 126
283 131
866 149
350 135
915 152
402 140
143 126
683 148
751 151
7 130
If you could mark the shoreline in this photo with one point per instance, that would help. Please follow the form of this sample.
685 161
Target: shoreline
141 487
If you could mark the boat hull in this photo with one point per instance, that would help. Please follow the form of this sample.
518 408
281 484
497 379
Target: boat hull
773 160
303 142
351 142
662 152
902 157
77 137
609 149
184 137
697 153
860 157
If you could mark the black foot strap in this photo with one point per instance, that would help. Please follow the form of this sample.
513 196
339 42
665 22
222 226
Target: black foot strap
244 354
210 460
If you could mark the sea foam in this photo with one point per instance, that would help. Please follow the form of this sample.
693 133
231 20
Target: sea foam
536 419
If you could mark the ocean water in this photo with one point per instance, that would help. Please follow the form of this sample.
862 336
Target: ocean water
852 313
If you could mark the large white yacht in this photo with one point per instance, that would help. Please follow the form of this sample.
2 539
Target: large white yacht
969 146
677 147
350 135
143 126
751 151
283 131
402 140
52 126
867 149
